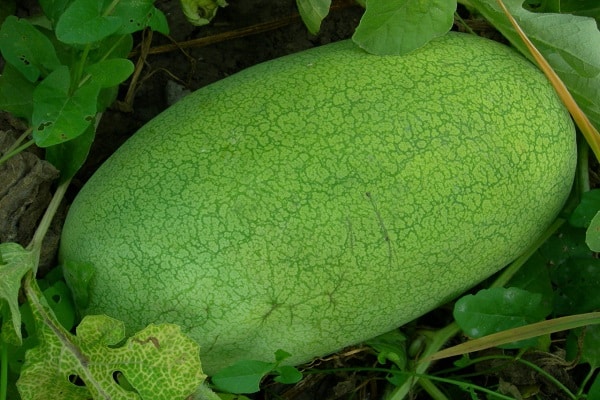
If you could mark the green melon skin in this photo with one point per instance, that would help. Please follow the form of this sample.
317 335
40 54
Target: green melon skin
318 200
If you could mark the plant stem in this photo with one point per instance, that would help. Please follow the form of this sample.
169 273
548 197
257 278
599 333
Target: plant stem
13 152
472 388
78 73
20 139
585 381
84 79
110 8
114 46
431 389
36 242
437 342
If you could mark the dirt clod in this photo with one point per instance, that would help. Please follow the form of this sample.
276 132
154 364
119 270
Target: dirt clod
25 192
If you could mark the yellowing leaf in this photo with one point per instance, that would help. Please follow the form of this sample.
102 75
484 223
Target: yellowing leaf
15 262
158 362
201 12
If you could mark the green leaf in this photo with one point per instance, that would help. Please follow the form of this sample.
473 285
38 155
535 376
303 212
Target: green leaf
16 93
137 15
568 42
110 72
69 156
79 276
287 374
401 26
159 362
91 21
58 115
245 376
567 243
535 278
576 285
84 22
53 9
115 46
59 299
281 355
592 236
585 343
589 206
27 49
106 97
313 12
15 262
158 22
498 309
242 377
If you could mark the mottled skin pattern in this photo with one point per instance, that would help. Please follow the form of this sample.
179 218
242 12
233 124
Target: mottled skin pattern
318 200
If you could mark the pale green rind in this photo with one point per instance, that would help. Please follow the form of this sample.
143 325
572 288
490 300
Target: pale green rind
318 200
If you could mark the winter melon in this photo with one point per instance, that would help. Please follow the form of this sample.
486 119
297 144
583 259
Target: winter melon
317 200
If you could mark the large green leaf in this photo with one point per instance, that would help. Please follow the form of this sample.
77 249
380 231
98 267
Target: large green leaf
86 21
60 115
27 49
313 12
401 26
111 72
497 309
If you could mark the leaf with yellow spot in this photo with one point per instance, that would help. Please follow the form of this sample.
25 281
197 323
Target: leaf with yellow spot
158 362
